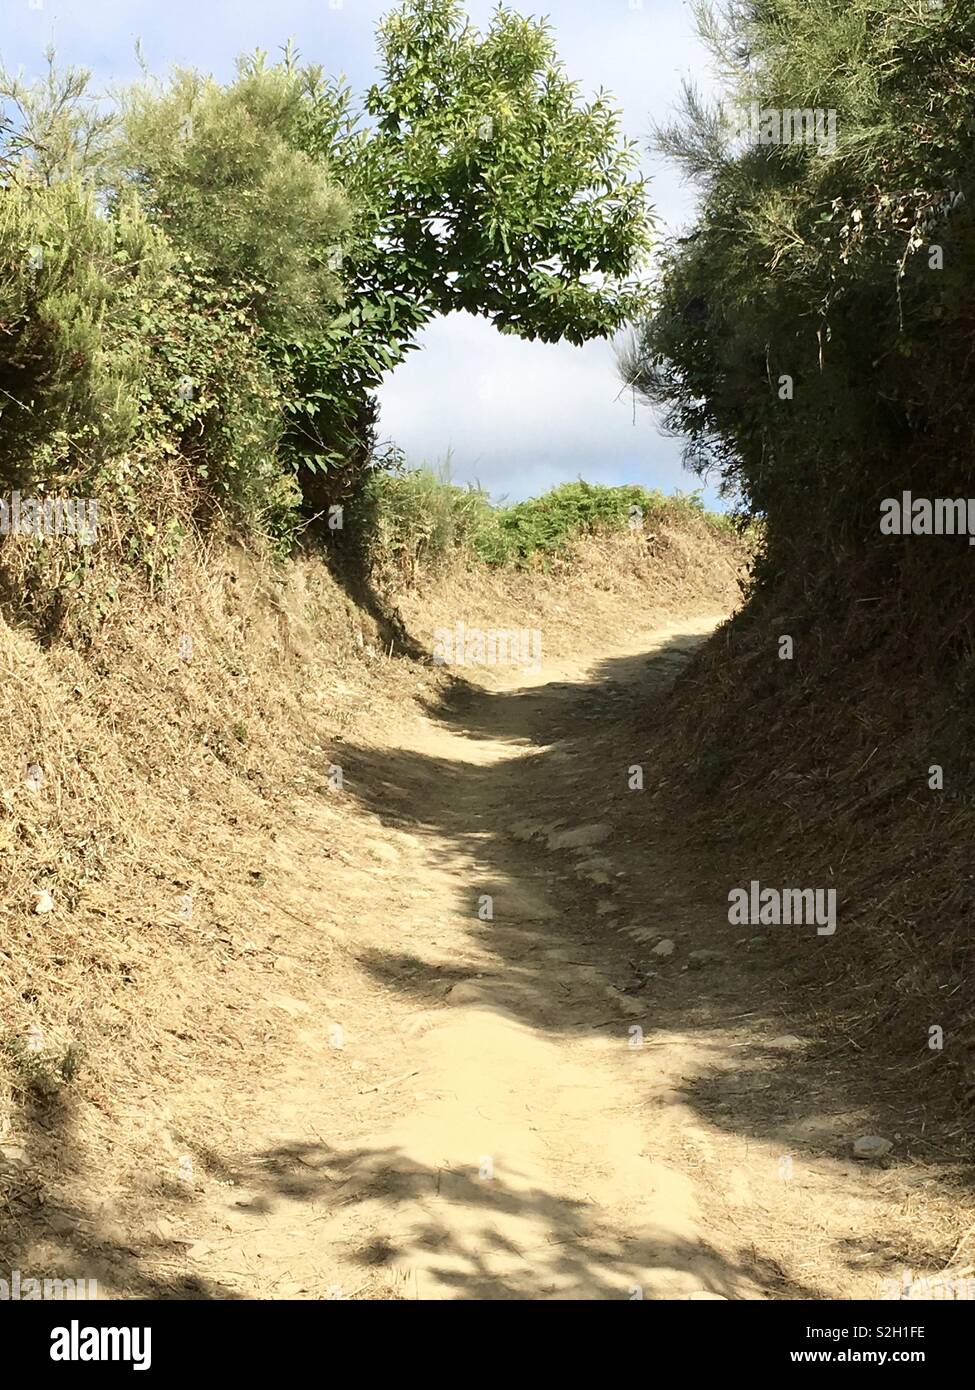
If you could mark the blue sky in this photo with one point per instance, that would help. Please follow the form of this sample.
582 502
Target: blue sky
518 417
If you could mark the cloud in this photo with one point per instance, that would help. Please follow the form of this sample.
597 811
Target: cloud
519 417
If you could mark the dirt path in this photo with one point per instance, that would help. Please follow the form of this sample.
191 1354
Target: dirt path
510 1089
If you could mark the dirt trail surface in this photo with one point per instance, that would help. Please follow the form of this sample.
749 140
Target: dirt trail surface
517 1080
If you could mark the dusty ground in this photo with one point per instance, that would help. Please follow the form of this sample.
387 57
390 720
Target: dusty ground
518 1098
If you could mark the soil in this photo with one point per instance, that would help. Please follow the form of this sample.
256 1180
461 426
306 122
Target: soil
506 1085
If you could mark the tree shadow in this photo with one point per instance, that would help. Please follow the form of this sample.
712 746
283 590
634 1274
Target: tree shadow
783 1078
352 571
45 1238
560 1252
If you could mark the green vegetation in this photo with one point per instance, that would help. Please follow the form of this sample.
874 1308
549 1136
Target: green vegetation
222 171
483 182
201 287
136 364
811 334
546 527
420 519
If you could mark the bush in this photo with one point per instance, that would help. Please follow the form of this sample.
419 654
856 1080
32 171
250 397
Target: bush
71 281
547 526
130 371
421 519
219 168
811 336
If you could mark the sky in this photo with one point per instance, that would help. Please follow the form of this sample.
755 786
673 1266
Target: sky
517 417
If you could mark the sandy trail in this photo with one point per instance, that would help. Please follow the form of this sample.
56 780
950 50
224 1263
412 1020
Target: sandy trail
507 1094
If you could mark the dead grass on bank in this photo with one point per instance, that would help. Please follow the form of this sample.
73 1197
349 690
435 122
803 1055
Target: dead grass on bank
814 772
136 1008
611 585
167 774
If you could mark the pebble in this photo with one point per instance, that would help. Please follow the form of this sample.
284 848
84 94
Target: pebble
871 1146
698 959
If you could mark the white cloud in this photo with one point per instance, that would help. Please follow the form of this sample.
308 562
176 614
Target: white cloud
519 417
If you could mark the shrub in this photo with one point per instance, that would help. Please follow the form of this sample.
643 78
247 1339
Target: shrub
811 336
421 519
220 170
71 282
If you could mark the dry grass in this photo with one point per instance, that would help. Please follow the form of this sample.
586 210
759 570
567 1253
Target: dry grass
165 774
815 771
132 1006
682 567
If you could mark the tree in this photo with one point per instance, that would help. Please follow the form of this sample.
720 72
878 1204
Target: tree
222 171
480 182
811 335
